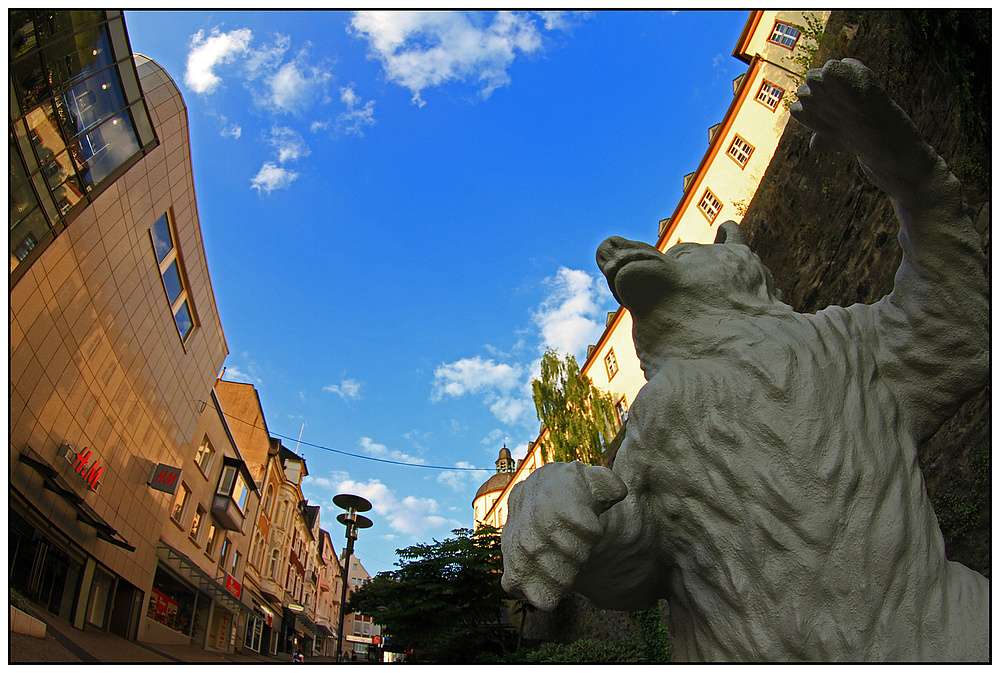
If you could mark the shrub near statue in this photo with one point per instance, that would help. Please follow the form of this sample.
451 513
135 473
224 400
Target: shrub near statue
768 485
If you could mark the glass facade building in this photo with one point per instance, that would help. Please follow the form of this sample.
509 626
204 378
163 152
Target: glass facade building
77 120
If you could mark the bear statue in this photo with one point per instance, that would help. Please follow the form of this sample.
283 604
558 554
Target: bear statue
768 486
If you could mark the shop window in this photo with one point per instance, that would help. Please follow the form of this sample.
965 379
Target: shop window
171 602
255 629
770 94
784 34
181 504
203 459
611 364
173 276
710 205
740 150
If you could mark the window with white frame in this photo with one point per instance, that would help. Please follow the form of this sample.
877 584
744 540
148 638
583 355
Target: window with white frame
740 150
203 459
611 364
710 205
770 94
172 274
784 34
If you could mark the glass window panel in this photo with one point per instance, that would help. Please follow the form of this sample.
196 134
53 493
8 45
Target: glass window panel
106 148
57 23
94 99
22 202
43 132
183 320
26 234
162 241
172 282
76 57
32 81
26 145
228 477
22 32
43 195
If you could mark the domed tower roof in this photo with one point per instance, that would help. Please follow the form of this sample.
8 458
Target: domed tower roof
497 482
504 453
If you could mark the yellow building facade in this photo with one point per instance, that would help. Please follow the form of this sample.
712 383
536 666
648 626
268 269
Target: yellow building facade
740 147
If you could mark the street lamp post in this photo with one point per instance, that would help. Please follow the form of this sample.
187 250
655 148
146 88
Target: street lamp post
353 522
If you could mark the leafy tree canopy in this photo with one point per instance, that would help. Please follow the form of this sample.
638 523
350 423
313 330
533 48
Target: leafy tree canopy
445 596
580 418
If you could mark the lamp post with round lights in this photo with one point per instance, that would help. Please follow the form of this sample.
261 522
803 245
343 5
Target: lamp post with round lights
353 521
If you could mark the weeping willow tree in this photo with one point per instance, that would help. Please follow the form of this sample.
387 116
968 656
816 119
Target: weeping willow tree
581 419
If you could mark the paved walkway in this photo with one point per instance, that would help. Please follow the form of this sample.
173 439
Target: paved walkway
63 643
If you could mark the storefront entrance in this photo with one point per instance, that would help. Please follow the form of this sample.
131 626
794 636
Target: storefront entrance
45 573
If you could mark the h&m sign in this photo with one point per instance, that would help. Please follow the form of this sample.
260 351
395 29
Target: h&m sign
164 478
80 461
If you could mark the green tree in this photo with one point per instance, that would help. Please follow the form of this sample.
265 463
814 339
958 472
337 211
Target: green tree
445 599
581 419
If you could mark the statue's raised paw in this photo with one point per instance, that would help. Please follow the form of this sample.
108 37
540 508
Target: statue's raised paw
849 109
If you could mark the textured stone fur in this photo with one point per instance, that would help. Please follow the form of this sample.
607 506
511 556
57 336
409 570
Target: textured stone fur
768 485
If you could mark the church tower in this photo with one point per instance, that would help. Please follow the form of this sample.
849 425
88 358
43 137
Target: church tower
494 486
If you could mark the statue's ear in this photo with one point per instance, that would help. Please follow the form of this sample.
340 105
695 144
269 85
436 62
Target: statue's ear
730 232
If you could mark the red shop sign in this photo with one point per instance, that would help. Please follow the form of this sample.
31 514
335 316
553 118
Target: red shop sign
233 586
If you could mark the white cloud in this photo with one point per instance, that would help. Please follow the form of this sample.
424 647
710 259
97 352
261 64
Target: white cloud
296 84
459 480
266 59
381 451
231 130
271 177
569 317
410 516
501 385
248 375
473 375
209 52
347 389
355 118
419 50
288 144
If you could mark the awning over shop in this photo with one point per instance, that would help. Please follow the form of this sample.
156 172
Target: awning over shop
54 482
181 564
303 623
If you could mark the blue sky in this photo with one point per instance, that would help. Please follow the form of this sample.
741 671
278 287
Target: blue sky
401 212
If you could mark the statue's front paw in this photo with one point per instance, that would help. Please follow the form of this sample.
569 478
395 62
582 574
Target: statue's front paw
552 525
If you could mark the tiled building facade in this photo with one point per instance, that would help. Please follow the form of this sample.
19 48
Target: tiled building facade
144 490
